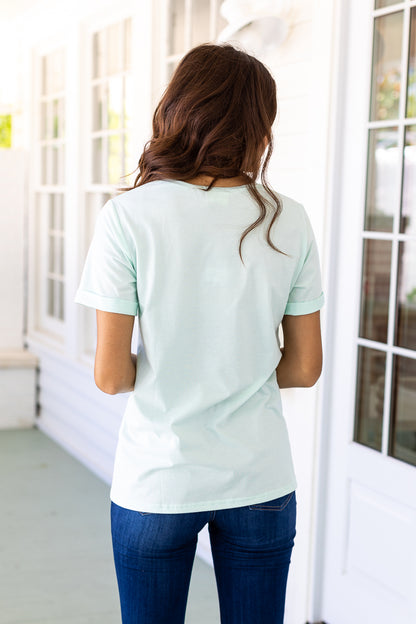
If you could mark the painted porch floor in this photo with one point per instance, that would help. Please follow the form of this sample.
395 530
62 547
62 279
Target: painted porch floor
56 564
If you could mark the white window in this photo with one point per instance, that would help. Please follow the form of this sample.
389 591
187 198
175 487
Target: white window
186 23
385 417
111 113
50 192
191 22
110 149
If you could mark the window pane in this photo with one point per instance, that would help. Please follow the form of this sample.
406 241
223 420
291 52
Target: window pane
114 159
60 310
57 254
44 174
114 103
115 48
62 256
379 4
51 297
52 212
55 165
375 290
411 79
57 71
57 171
55 119
406 297
97 107
128 102
200 27
44 75
403 426
386 76
97 160
176 43
127 44
383 171
408 214
51 253
369 403
98 54
60 212
44 118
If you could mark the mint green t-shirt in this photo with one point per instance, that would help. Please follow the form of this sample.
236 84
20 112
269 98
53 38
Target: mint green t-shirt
203 428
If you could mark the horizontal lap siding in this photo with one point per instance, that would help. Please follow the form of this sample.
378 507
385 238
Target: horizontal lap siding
76 414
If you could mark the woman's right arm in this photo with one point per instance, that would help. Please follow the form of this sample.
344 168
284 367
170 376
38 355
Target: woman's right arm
301 362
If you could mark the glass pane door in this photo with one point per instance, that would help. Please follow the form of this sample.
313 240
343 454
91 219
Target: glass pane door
385 413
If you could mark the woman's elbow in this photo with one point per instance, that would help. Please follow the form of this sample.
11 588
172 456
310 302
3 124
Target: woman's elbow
105 386
311 375
104 382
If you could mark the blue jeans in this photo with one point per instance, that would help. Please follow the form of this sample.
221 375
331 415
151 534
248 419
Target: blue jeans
251 548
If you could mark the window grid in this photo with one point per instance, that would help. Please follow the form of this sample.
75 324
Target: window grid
110 78
51 188
110 119
189 10
396 237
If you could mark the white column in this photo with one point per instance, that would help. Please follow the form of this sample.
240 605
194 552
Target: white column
17 365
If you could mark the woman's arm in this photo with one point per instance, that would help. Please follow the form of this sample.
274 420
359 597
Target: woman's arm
301 362
115 365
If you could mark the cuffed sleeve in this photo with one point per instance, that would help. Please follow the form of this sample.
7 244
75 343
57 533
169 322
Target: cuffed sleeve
109 277
306 294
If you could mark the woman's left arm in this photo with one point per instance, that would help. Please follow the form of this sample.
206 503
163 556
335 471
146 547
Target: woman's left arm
115 365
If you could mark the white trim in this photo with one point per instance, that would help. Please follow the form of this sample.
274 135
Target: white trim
394 8
335 12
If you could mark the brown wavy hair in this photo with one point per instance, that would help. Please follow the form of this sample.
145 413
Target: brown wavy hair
212 119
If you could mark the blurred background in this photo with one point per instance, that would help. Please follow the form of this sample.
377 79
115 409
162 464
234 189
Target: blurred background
79 83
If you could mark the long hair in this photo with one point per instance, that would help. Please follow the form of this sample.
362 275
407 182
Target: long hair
212 119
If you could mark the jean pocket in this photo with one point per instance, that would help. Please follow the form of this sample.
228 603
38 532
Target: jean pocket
277 504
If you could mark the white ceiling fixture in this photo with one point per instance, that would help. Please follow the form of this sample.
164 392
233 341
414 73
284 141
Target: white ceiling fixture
256 24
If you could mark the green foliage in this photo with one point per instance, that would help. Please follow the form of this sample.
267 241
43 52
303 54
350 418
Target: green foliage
387 104
411 94
5 130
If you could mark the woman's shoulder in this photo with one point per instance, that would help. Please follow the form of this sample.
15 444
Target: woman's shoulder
291 208
145 190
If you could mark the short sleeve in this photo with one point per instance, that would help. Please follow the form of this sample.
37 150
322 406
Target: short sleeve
108 280
306 294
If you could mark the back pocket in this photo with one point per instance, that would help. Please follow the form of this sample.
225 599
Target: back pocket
277 504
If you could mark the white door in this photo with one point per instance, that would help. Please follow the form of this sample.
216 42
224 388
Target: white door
369 531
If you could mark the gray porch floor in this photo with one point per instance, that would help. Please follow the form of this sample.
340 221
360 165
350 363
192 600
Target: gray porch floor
55 547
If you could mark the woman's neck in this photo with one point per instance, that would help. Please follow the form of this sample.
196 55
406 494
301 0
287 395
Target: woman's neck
205 180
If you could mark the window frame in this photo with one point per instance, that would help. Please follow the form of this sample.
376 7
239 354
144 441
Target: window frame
395 237
42 191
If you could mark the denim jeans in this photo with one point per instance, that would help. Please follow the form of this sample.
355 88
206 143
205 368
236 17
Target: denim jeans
251 549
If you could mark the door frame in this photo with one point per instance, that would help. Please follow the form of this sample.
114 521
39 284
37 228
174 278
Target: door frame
343 463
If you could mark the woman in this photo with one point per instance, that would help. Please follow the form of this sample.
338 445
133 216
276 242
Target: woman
212 262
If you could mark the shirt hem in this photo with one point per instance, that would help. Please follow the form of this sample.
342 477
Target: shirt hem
215 505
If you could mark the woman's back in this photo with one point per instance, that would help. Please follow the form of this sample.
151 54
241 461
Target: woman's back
203 428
